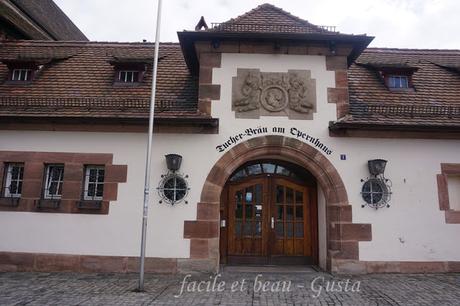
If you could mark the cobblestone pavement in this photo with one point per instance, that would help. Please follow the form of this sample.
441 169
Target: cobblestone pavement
299 289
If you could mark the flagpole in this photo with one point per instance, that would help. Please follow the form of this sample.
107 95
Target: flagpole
149 152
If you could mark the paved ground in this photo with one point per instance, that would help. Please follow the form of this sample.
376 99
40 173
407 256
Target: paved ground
305 288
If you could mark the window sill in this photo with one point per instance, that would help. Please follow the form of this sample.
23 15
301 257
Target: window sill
89 204
48 203
18 83
410 89
9 201
122 84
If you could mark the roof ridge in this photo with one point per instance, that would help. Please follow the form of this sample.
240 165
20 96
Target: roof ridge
410 49
72 43
278 9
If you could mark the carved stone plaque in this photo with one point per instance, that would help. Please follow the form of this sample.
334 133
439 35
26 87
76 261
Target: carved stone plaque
291 94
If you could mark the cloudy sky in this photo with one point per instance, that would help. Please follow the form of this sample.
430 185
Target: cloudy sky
430 24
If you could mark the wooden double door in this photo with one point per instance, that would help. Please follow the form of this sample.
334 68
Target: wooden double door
271 220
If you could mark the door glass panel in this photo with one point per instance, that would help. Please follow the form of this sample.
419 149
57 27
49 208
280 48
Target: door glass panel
289 230
299 229
239 197
254 169
238 228
299 212
258 212
249 195
279 212
258 229
299 198
279 229
289 196
247 229
283 171
258 194
269 168
289 212
279 194
239 211
248 211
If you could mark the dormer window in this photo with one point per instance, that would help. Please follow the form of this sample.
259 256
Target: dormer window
21 71
128 76
398 81
397 76
21 75
128 71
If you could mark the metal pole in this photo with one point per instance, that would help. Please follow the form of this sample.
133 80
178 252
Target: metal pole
149 152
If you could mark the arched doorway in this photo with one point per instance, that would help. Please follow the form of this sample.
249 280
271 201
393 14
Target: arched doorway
270 213
342 235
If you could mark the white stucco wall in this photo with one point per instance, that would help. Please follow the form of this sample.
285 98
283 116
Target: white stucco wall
413 228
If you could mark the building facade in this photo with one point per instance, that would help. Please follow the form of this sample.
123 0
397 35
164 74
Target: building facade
298 145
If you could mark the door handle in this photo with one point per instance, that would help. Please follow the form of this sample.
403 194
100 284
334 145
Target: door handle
272 222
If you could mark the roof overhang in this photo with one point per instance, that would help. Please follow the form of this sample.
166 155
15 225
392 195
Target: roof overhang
163 124
187 40
372 130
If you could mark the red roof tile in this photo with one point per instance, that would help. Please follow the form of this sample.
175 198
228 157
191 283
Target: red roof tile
79 80
270 19
435 99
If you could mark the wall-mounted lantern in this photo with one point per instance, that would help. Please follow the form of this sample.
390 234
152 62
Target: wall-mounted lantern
173 162
376 166
376 191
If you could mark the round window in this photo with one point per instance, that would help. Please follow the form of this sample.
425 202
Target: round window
173 188
375 192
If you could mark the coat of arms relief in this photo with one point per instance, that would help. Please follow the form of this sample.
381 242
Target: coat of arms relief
291 94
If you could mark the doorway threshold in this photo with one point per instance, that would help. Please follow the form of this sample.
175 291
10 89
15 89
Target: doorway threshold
268 269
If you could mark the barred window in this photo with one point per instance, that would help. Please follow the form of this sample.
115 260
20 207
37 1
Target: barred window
94 183
21 75
13 180
53 181
128 76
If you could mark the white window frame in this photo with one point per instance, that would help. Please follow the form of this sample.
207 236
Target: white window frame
21 75
9 179
88 169
127 79
49 180
397 77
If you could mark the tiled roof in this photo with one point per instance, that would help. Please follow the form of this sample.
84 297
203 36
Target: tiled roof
78 81
51 18
435 99
268 18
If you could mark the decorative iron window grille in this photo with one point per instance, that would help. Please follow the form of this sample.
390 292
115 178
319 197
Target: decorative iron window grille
13 180
376 192
173 188
53 181
128 76
21 75
94 183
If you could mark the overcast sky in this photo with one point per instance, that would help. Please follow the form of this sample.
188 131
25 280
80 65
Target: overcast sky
433 24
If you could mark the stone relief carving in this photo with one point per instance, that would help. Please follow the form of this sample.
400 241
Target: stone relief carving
291 94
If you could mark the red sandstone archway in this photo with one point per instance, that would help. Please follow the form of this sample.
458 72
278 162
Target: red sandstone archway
342 235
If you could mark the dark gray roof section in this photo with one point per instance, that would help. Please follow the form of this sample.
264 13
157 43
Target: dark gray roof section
51 18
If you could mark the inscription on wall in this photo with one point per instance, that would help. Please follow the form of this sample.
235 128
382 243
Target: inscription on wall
256 94
258 131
